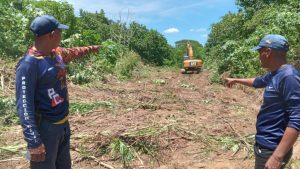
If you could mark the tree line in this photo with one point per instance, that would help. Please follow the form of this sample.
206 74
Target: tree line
229 43
128 44
125 44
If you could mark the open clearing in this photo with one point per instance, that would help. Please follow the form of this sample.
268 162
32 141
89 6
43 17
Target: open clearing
177 121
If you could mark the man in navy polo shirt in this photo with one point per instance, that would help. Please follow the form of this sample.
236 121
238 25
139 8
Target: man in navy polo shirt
278 121
42 95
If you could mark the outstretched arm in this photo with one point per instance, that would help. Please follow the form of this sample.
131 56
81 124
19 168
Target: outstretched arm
231 81
69 54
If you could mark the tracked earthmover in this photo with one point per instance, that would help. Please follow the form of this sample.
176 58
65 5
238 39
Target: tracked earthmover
191 65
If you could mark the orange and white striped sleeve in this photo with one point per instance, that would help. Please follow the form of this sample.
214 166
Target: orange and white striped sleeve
69 54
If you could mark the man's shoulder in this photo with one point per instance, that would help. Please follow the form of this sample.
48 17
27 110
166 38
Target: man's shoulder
287 74
28 61
31 59
289 70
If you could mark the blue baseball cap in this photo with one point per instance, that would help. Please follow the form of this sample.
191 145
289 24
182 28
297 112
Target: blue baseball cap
44 24
273 41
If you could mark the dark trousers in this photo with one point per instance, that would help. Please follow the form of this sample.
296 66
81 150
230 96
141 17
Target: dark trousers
262 155
56 138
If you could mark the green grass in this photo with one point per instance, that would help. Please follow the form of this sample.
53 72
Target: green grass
238 110
84 152
229 143
159 82
120 149
293 164
126 64
12 149
8 115
127 146
234 144
85 107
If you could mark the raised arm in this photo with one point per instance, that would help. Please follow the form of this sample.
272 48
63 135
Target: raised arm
69 54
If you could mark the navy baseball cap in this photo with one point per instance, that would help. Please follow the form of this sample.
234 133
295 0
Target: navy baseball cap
44 24
273 41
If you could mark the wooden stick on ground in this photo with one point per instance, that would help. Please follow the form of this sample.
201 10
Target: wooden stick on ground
12 159
96 160
101 163
2 71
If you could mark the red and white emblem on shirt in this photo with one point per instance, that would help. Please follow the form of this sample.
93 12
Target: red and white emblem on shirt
56 99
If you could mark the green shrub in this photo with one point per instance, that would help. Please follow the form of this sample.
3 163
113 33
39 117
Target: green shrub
229 43
125 65
95 66
112 58
84 107
8 113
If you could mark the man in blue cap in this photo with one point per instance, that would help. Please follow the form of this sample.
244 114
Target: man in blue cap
278 121
42 95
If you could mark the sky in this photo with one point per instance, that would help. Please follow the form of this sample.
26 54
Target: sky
175 19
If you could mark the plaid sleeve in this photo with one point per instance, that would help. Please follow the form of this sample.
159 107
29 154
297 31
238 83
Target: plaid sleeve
69 54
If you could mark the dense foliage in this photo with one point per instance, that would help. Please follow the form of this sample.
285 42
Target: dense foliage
123 44
229 43
7 111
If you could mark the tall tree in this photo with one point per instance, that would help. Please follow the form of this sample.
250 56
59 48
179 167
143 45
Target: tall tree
149 44
229 42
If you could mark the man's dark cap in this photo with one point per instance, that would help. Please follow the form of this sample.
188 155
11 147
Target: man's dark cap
44 24
273 41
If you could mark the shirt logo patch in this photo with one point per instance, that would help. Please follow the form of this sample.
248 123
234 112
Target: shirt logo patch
268 41
50 68
56 99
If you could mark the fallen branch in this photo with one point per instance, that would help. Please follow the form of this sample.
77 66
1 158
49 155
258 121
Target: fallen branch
137 155
240 138
12 159
23 166
2 71
95 159
101 163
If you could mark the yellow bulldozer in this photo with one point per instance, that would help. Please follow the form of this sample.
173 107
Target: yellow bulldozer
191 65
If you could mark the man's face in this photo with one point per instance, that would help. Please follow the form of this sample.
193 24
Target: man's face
56 38
264 55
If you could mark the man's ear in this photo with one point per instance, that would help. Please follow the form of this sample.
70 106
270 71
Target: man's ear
51 34
268 52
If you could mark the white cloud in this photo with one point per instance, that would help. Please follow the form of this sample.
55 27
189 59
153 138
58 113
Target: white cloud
171 30
198 30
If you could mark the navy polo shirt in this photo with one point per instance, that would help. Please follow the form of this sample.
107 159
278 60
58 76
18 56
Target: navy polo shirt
281 105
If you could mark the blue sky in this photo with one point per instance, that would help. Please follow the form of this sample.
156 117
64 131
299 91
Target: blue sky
175 19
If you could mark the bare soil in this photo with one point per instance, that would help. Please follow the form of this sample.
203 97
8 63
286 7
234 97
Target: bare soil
200 117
